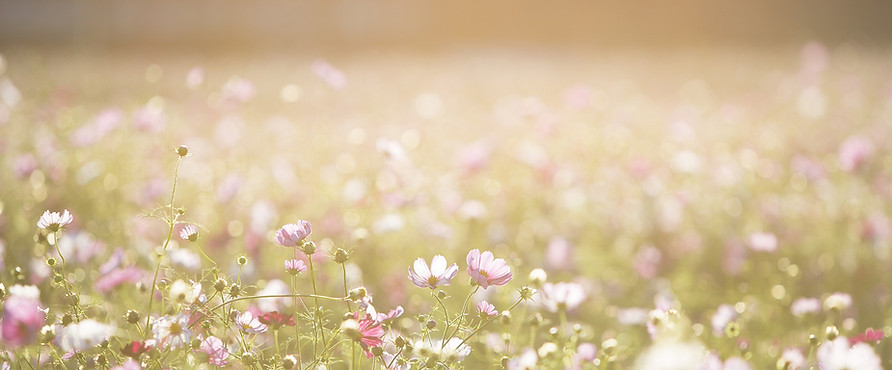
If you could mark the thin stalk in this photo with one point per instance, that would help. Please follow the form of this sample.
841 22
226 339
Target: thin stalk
171 223
316 300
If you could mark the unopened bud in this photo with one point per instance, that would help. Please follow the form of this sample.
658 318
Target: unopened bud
506 317
356 294
248 358
377 351
220 284
242 260
131 316
182 151
308 247
538 277
289 362
341 256
526 293
441 294
234 290
196 343
431 324
51 261
832 332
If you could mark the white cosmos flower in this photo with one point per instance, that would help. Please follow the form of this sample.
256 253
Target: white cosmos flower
84 335
54 221
839 355
172 331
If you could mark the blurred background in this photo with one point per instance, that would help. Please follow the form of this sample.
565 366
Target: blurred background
350 24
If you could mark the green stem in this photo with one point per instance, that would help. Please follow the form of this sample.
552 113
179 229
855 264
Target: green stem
487 323
316 300
171 223
296 321
461 317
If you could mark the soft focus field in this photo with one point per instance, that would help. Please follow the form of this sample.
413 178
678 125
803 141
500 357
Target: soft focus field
716 187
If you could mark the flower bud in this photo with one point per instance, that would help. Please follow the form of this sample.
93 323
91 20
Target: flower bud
350 328
813 339
441 294
538 277
832 332
242 260
289 361
504 361
47 334
234 290
220 284
195 343
357 294
341 256
67 319
536 320
51 261
431 324
101 360
131 317
377 351
609 346
182 151
308 247
506 317
399 342
248 358
526 293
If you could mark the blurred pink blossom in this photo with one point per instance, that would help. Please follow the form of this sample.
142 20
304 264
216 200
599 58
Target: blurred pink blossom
331 75
117 277
854 152
22 320
763 242
216 351
562 296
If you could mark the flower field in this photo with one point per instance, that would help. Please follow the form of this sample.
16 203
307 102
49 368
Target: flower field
498 208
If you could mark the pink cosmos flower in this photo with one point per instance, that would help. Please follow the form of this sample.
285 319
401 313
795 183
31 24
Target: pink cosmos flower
437 275
367 331
486 309
868 336
295 266
276 320
394 313
291 235
247 323
117 277
216 351
54 221
22 320
562 296
487 270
